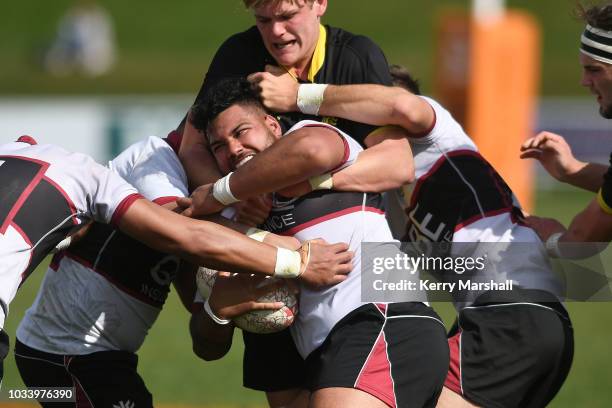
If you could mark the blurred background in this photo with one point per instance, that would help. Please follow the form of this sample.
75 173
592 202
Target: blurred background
95 76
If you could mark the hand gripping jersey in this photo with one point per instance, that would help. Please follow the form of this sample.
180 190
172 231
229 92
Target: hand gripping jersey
47 193
340 58
336 217
106 291
459 198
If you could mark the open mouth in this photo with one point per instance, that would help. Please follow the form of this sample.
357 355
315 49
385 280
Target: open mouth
283 45
244 160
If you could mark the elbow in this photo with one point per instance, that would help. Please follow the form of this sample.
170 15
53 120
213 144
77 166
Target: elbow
209 352
412 113
315 153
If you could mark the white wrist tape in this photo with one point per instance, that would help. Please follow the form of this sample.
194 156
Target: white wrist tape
213 316
310 98
257 234
323 182
222 191
552 245
63 244
288 263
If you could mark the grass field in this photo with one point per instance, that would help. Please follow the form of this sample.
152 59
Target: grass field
176 377
166 47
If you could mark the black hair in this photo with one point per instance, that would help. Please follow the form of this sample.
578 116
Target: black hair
222 95
598 16
402 78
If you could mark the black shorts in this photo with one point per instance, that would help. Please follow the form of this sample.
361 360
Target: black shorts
101 379
397 353
511 353
4 348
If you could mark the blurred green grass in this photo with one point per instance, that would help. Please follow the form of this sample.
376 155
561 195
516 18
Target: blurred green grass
166 47
175 376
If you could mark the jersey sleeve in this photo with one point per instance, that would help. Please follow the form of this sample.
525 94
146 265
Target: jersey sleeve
154 169
366 64
111 196
604 196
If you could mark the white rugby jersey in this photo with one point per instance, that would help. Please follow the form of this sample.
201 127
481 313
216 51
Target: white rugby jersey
335 216
459 197
106 290
47 193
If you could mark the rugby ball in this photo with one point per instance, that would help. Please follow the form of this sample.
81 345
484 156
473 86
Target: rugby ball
271 321
258 321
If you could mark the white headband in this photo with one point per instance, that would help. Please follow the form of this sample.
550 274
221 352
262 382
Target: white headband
597 44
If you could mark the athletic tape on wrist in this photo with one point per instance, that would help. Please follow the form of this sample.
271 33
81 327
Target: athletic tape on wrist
213 316
63 244
552 245
322 182
310 98
288 263
222 191
257 234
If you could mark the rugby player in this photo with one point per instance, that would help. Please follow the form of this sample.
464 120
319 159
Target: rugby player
347 352
594 223
49 193
510 349
288 34
101 296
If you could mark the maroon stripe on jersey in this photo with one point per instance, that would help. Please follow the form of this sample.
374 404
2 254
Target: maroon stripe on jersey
26 192
71 205
481 216
328 217
123 207
375 376
27 139
347 150
129 291
165 200
56 260
435 167
453 378
431 128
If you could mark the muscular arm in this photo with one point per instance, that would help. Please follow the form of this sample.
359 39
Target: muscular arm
590 225
210 341
378 105
199 242
386 164
307 152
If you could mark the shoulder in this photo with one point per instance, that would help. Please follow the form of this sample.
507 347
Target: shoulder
360 46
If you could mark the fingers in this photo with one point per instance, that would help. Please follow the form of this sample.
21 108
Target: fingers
265 306
345 257
184 202
339 247
531 153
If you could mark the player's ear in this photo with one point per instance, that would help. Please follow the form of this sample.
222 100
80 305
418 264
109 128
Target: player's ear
320 7
274 126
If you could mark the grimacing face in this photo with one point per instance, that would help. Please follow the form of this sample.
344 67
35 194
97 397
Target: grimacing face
239 133
290 31
597 76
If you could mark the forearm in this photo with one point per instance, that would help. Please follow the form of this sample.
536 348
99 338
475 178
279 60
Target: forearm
378 105
384 166
293 159
200 242
588 176
210 341
590 225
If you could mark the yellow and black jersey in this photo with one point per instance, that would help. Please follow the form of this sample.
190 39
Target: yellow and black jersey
340 58
605 194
